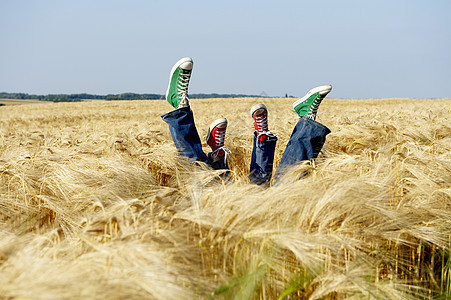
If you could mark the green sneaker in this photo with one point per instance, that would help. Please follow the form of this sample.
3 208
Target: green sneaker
177 92
308 105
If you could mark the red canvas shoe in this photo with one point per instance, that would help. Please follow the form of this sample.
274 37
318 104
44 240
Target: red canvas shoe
216 137
260 115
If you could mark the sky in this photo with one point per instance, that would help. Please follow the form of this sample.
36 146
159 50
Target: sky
365 49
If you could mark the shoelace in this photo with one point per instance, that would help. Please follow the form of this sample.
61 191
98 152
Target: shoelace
311 113
262 125
223 148
219 137
182 86
267 133
262 122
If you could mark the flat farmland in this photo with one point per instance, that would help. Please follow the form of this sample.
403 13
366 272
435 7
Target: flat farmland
19 101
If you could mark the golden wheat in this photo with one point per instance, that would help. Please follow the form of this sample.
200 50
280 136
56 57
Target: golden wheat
96 204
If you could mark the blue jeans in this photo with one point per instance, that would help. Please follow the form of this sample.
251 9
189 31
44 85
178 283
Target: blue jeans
306 141
262 160
186 139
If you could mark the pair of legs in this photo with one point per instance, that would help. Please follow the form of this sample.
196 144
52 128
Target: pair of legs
305 143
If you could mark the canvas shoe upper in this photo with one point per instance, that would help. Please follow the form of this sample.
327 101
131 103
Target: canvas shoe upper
308 105
177 91
216 136
260 115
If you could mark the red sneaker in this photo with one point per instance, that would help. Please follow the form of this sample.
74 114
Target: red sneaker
216 136
260 115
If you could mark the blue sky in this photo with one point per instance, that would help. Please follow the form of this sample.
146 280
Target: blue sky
365 49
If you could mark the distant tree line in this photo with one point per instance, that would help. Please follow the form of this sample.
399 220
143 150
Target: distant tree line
123 96
79 97
214 95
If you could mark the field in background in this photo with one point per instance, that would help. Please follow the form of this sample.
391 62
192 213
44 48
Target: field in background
19 101
95 204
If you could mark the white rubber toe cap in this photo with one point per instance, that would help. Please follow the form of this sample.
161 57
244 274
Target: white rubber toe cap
185 63
258 109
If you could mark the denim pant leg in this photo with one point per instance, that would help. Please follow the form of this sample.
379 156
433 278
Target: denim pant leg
186 138
184 134
305 143
262 160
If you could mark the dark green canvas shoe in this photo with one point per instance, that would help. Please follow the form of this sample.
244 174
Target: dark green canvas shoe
177 92
308 105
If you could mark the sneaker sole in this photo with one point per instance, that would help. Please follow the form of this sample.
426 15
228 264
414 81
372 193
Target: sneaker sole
214 124
323 89
257 107
176 65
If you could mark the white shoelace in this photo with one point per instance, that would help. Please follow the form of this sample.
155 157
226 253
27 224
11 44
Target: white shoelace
219 141
311 113
267 133
219 138
223 148
182 88
262 124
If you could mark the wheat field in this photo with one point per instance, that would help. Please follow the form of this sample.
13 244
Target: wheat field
95 204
